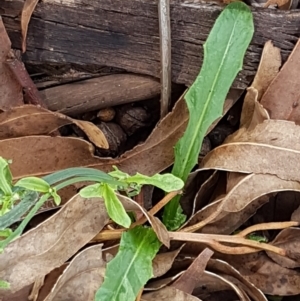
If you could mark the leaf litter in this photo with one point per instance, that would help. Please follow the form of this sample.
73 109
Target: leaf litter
259 160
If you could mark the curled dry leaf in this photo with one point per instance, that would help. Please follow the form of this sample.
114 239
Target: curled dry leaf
158 227
287 239
30 120
215 284
268 68
10 90
167 294
81 279
282 97
190 278
28 8
266 150
153 156
244 197
51 243
231 274
40 155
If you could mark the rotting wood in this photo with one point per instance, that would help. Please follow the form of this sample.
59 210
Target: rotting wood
97 93
125 34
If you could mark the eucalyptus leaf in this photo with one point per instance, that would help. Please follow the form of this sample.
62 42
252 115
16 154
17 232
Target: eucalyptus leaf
114 207
224 51
128 272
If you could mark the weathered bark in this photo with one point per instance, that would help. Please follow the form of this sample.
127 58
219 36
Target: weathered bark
100 92
125 34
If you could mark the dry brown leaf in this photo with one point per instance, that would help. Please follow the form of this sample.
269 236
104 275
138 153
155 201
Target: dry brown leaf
45 155
214 284
51 243
158 227
288 239
190 278
230 273
30 120
82 278
268 68
245 195
28 8
10 90
40 155
267 149
169 294
282 97
265 274
162 262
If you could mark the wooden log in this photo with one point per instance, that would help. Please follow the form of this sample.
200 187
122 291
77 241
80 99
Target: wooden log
101 92
124 34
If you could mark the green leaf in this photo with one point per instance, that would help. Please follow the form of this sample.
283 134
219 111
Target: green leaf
114 207
5 232
224 51
55 196
21 227
91 191
79 172
4 284
5 177
12 216
128 272
166 182
34 184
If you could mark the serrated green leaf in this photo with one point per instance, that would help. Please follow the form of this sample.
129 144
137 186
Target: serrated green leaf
128 272
5 177
34 184
166 182
224 51
114 207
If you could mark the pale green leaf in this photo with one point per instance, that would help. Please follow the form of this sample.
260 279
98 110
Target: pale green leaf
34 184
4 284
166 182
128 272
91 191
5 177
114 207
224 51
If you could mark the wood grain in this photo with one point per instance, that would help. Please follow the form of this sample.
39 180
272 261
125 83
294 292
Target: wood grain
125 34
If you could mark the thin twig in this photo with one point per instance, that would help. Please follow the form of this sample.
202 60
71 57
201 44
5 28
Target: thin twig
165 54
211 239
157 207
267 226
